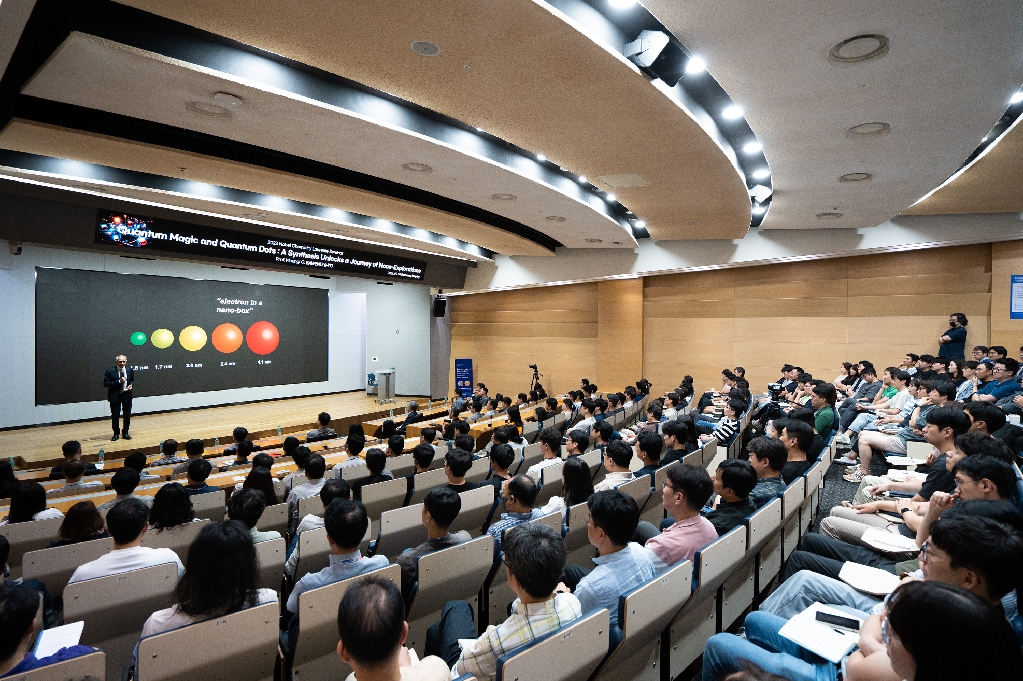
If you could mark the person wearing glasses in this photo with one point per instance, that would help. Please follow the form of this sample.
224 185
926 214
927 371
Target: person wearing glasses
1002 385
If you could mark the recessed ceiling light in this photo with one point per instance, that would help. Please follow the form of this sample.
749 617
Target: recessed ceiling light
732 112
864 129
425 49
417 167
761 173
640 223
859 48
582 178
541 158
1016 98
855 177
227 99
594 241
611 198
503 197
207 109
752 147
555 218
695 65
622 4
828 216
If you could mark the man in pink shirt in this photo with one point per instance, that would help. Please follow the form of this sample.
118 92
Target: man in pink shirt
685 492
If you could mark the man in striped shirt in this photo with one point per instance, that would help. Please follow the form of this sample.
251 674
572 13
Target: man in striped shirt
534 557
728 426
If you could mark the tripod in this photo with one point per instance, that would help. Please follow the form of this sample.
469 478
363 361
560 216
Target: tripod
536 377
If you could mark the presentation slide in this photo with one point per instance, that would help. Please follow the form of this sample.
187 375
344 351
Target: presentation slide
179 335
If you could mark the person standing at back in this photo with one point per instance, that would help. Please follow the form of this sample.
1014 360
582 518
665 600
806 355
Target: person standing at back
119 380
953 342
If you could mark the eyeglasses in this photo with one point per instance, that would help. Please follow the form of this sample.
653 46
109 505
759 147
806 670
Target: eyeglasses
925 549
667 485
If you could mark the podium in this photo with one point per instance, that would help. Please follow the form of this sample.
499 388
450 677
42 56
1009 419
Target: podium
385 386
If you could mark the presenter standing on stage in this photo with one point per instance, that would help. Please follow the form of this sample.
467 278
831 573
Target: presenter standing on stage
119 381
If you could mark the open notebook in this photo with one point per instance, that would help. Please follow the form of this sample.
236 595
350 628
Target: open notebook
52 640
830 643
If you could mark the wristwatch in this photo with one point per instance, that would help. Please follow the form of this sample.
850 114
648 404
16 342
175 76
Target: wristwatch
902 511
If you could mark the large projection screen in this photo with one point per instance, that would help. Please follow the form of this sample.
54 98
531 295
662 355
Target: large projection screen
180 335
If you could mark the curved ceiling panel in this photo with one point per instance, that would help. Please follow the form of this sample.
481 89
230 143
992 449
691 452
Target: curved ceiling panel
992 184
520 70
100 74
941 85
46 140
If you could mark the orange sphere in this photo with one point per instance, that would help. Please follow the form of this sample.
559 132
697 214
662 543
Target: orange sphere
227 338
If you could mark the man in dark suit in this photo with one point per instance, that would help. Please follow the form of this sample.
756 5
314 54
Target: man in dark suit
119 381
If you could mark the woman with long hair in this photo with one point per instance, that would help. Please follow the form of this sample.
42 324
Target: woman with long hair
260 478
82 523
387 430
28 502
221 577
514 416
171 507
578 487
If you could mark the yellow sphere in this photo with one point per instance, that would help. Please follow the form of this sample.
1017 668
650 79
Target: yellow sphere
192 338
162 338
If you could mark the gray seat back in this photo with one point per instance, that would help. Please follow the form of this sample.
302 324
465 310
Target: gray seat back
30 536
54 567
210 505
383 496
242 645
177 538
91 667
571 653
313 551
310 506
270 558
424 482
476 505
400 529
274 518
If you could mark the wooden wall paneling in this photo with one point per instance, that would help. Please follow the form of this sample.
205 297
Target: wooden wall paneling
620 333
1006 260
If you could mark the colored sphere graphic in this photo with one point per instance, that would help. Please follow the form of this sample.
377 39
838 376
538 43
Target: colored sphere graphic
192 338
162 338
262 338
138 338
227 338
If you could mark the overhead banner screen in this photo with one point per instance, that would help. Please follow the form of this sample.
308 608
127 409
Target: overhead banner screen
148 234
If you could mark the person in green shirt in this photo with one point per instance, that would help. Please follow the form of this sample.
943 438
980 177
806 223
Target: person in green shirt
733 481
822 398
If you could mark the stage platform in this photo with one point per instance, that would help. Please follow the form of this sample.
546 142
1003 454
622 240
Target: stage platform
37 446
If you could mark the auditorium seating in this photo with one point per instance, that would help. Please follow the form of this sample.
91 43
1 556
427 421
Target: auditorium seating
177 538
570 653
26 537
270 557
54 567
91 667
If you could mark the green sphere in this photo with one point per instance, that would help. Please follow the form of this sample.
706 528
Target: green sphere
138 338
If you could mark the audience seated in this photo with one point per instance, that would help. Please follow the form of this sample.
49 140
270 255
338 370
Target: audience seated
621 565
138 462
314 471
534 557
300 456
221 577
127 523
733 482
675 435
72 450
168 453
82 523
195 480
376 462
457 463
797 437
260 478
240 434
372 629
600 434
648 450
246 507
346 523
29 503
518 495
331 490
617 456
728 427
172 506
194 449
768 457
684 494
18 606
550 448
577 487
324 432
502 459
73 472
440 508
242 451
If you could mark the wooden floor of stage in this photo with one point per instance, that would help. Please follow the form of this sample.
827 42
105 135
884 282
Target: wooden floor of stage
43 443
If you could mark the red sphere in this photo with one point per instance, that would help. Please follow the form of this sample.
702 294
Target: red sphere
262 338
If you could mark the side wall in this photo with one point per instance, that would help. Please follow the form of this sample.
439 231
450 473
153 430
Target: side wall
817 314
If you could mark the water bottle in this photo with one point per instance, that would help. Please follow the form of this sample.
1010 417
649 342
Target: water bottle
216 445
161 446
391 413
11 460
102 457
279 431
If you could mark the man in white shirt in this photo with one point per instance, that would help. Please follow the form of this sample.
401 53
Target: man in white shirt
314 470
127 523
586 408
550 447
577 442
617 456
